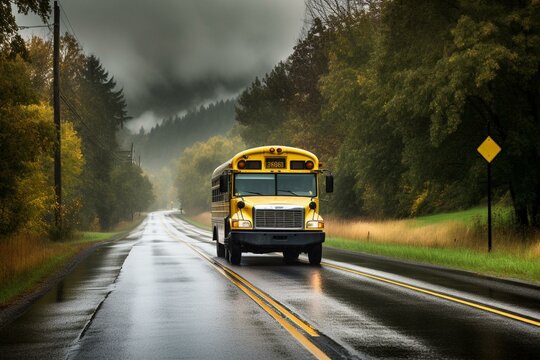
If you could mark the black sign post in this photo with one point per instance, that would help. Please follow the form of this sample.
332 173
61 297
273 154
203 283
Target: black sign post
489 149
489 205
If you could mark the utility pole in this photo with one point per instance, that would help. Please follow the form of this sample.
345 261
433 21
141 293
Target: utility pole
56 106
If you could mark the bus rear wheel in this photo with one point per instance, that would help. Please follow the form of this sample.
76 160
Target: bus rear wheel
315 254
235 254
220 249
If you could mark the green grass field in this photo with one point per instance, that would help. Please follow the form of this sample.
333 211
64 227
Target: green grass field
96 236
469 217
495 263
465 216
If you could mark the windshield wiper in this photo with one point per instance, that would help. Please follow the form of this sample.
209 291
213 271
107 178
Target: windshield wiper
289 191
252 192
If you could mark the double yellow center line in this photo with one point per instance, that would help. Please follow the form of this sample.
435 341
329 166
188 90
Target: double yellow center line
302 331
436 294
298 328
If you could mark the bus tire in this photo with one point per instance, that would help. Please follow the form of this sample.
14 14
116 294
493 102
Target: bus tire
235 254
220 249
315 254
290 256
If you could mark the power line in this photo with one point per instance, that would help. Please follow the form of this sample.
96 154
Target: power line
72 30
74 112
92 136
79 118
24 27
69 24
48 26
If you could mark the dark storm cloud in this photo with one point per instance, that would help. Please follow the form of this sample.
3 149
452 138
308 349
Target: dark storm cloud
170 55
171 95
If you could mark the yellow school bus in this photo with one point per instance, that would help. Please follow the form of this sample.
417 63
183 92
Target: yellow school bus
266 199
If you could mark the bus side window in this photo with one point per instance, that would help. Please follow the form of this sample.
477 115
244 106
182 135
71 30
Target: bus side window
223 183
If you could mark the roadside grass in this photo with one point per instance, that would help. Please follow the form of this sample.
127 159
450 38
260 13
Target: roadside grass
497 263
463 229
465 216
95 236
477 215
457 240
202 220
26 260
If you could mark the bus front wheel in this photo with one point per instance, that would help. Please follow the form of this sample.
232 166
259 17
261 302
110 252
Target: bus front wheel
220 249
235 254
315 254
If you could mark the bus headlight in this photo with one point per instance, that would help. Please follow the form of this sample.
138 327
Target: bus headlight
241 224
315 224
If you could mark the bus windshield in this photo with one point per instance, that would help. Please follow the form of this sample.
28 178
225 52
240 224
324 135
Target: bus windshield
275 184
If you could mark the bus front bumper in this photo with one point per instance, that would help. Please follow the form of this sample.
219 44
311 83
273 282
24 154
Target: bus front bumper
268 241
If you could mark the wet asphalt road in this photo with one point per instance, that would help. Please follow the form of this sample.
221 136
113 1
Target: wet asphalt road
152 295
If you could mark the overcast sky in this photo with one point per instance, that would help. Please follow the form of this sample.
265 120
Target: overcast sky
170 55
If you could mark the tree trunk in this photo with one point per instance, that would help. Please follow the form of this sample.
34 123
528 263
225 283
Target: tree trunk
535 216
520 210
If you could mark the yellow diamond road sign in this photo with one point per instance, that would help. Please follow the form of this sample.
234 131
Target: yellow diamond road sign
489 149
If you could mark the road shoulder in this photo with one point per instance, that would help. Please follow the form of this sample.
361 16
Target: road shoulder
20 304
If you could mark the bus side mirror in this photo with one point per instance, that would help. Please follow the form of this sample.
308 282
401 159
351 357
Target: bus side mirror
223 183
329 183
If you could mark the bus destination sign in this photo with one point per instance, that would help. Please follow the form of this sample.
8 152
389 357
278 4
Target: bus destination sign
275 163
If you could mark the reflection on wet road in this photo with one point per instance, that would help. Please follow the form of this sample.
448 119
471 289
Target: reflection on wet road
153 295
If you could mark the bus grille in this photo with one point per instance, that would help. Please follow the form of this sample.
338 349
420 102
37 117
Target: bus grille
279 219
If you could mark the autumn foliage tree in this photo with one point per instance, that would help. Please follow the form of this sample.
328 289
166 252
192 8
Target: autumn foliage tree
93 109
11 43
404 92
195 167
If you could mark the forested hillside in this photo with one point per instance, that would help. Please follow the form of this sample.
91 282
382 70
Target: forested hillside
166 141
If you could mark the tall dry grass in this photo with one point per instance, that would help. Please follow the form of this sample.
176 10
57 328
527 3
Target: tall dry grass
22 253
204 218
441 235
26 258
450 234
534 250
